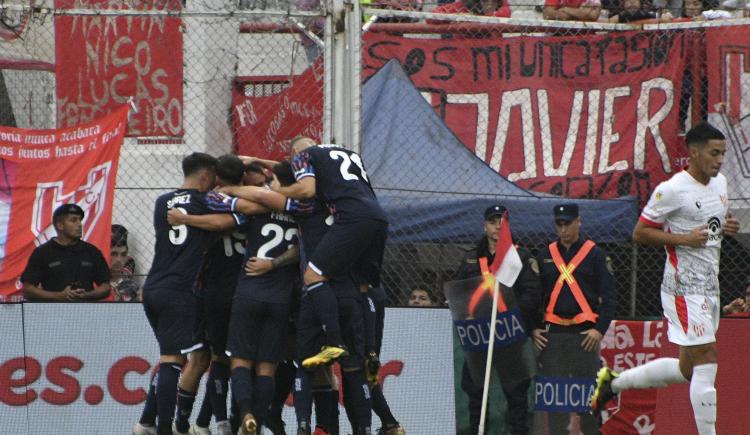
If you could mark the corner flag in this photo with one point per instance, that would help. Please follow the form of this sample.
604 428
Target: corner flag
507 264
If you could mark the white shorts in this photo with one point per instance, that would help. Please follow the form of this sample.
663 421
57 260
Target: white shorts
691 319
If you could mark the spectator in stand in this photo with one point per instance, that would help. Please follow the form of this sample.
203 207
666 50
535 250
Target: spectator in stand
633 10
693 10
420 296
122 267
489 8
66 268
572 10
739 307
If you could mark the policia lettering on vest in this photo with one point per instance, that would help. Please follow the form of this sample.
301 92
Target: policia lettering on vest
578 303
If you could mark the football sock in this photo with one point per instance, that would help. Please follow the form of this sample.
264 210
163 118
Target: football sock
326 310
327 409
368 314
703 398
381 408
166 395
204 414
242 390
357 397
657 373
185 401
148 417
217 387
263 391
302 397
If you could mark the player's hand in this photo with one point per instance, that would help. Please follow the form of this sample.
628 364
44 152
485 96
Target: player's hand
258 266
591 342
731 225
736 306
539 338
248 159
228 190
175 217
697 238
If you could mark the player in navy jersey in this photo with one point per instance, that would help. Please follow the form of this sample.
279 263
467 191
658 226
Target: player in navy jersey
168 299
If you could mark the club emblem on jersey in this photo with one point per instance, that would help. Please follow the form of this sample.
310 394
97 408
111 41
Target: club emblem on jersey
698 204
90 196
714 229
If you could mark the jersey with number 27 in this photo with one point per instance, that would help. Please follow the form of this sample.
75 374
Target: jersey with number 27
341 181
680 205
180 249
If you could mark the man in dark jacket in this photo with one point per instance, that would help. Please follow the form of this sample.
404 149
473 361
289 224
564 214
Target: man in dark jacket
527 291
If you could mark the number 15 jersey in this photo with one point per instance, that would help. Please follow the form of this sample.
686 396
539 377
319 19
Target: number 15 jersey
341 181
680 205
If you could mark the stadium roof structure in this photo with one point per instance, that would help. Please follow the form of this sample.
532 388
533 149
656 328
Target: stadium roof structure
434 189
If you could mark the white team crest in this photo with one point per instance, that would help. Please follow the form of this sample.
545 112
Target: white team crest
91 197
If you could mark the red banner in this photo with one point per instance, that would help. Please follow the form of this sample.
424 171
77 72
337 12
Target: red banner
629 344
263 126
587 116
42 169
728 52
104 60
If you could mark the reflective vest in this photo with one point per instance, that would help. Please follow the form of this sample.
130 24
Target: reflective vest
566 276
486 286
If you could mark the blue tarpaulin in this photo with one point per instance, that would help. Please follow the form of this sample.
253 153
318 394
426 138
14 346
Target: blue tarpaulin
434 189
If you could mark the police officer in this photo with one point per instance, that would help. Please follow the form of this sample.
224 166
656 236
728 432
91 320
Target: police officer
66 268
578 302
527 291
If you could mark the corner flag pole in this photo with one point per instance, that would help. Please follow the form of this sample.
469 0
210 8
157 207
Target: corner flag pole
488 365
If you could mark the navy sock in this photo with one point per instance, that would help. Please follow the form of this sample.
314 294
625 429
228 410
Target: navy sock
381 408
148 417
284 380
234 415
368 314
204 415
242 390
166 395
218 386
357 397
326 309
327 409
185 401
263 390
302 398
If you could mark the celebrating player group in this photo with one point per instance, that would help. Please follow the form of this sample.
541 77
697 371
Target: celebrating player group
266 273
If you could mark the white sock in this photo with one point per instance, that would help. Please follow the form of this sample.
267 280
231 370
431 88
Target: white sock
657 373
703 398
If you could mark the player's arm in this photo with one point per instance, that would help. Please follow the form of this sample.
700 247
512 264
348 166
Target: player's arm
208 222
648 234
258 266
304 188
259 195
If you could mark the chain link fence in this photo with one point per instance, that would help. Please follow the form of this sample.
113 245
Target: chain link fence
548 109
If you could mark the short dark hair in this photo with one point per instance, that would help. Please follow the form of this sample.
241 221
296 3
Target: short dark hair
702 133
119 235
284 173
430 294
254 167
197 161
230 168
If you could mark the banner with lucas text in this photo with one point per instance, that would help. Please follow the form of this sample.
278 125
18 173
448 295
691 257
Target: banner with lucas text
42 169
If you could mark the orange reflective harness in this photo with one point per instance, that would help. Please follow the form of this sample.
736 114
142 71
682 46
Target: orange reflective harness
487 285
566 276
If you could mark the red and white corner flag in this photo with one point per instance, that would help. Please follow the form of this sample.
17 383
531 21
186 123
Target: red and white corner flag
507 264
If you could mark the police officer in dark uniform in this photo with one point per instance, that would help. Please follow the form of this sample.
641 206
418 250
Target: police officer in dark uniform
527 291
66 268
578 303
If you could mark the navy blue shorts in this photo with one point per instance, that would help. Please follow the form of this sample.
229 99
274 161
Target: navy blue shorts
355 247
172 315
217 310
258 330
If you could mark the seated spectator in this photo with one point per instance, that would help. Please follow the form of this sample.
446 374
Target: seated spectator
421 297
572 10
739 307
122 267
633 10
693 10
489 8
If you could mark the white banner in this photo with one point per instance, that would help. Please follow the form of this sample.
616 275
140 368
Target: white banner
83 369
